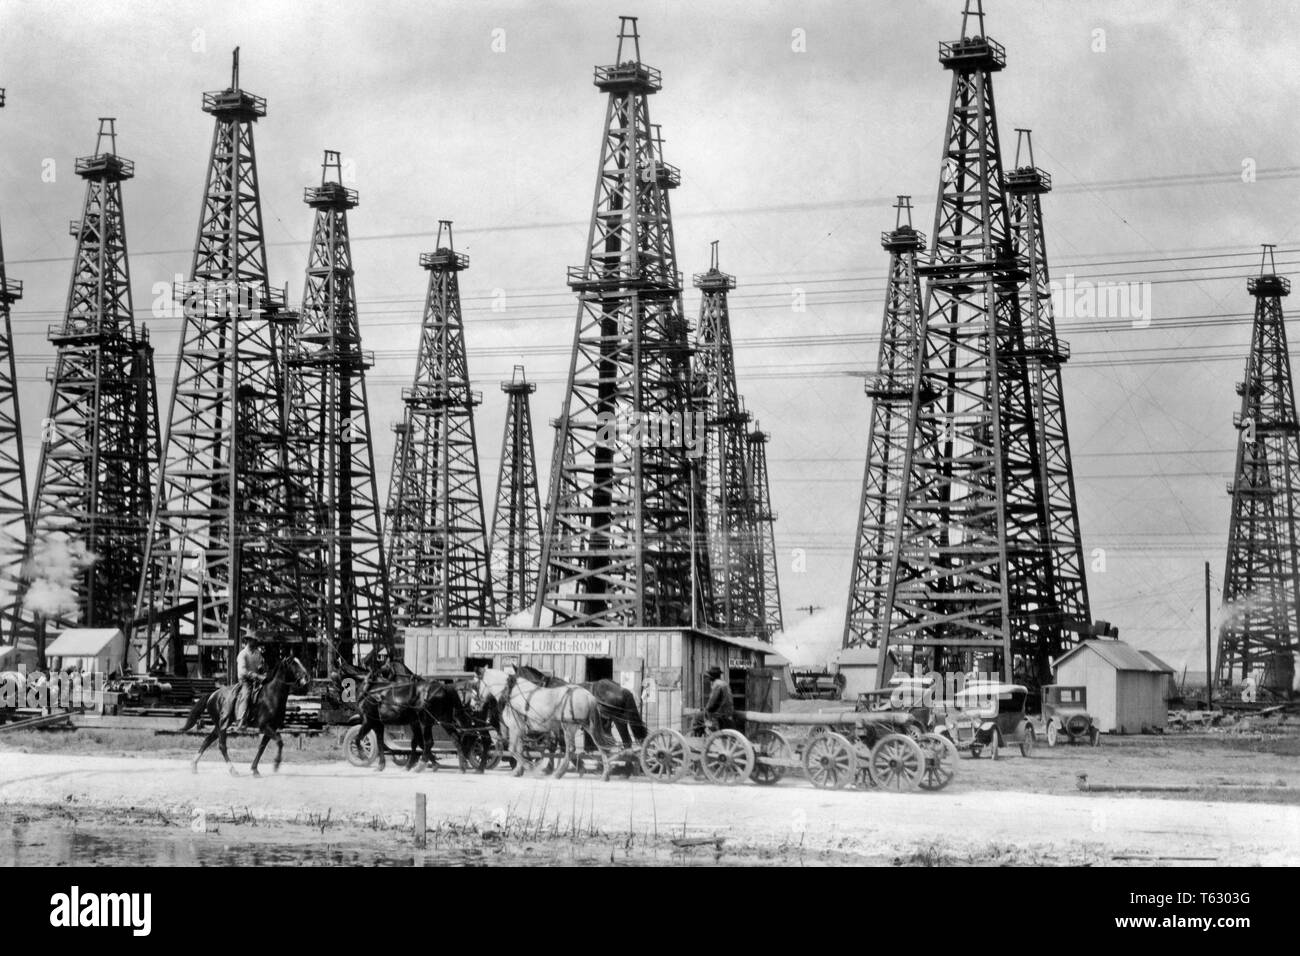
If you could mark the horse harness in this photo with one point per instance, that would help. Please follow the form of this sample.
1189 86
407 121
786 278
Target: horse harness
512 683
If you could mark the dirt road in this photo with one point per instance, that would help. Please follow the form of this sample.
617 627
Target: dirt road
962 824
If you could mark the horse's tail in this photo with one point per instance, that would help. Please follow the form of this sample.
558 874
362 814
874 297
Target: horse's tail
196 712
635 721
596 725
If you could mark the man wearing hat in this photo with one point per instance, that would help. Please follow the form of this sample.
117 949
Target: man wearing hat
721 709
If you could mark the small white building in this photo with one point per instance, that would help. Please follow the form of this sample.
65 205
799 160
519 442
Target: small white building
93 650
1128 690
857 666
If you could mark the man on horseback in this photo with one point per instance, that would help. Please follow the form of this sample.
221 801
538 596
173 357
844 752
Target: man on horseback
248 670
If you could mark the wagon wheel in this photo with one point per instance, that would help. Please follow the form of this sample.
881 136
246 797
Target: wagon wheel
1053 735
994 743
829 761
400 757
666 756
541 762
727 757
940 762
360 751
914 730
477 752
770 744
897 763
1027 742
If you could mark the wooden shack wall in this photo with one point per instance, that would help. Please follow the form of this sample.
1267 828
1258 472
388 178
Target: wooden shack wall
655 656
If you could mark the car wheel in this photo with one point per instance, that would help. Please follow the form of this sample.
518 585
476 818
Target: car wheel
1053 735
994 744
975 751
1027 743
1095 737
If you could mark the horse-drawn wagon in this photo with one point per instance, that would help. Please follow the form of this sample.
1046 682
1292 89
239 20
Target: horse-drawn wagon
403 717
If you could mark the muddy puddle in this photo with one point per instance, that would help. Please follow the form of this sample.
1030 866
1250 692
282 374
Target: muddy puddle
61 842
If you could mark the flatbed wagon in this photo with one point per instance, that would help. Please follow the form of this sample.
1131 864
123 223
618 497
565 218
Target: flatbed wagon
833 750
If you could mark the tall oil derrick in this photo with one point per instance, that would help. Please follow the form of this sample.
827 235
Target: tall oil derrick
732 523
890 391
229 548
439 573
15 515
971 580
1068 612
1261 589
621 546
764 531
99 448
331 376
516 537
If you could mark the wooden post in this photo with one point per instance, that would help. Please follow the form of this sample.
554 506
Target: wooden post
421 828
1209 674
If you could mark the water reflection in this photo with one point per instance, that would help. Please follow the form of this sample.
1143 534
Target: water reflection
27 842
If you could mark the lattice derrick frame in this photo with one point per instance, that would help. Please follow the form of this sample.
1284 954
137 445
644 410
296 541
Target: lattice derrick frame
335 412
15 509
618 548
730 508
204 533
100 438
765 519
517 515
1264 533
955 585
886 443
440 571
1064 538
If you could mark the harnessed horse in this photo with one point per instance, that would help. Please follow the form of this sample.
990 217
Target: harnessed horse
526 707
419 703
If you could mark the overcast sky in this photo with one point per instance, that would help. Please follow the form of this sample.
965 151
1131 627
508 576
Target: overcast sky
794 126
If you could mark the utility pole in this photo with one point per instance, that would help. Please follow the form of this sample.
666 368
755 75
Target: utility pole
1209 672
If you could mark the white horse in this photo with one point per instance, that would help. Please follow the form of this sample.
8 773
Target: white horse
526 707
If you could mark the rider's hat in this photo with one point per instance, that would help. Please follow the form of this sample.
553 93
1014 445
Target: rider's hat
715 671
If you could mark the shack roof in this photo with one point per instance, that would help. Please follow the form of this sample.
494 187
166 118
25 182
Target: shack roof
1118 655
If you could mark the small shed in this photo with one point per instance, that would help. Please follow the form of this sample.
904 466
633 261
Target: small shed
857 666
1127 689
95 650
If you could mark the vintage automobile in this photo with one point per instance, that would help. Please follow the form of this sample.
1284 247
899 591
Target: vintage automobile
988 715
1065 712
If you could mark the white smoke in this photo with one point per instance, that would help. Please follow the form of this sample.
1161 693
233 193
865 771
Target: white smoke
520 619
52 570
814 641
1235 613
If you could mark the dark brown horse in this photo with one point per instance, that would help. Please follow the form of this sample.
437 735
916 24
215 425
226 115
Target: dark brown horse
267 712
419 703
617 703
